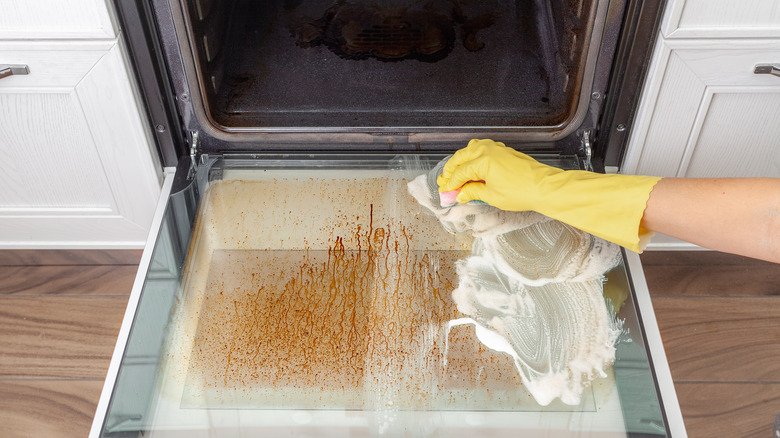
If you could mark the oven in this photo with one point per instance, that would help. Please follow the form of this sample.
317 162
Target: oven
296 283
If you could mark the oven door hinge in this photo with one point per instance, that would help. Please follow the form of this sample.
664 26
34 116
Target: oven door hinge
586 148
194 151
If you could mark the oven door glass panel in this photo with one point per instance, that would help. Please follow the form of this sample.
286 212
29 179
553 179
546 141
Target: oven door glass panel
311 295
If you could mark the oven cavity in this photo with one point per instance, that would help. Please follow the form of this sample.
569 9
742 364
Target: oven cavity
404 64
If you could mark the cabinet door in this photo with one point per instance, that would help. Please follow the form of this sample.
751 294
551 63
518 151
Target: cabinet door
705 113
76 166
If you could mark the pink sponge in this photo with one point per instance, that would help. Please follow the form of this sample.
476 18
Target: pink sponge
448 199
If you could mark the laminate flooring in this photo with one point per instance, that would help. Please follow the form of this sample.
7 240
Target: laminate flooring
60 313
719 319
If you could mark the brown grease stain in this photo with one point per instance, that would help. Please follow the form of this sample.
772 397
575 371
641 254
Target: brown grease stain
368 322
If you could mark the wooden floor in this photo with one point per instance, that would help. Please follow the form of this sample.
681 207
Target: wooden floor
719 317
60 313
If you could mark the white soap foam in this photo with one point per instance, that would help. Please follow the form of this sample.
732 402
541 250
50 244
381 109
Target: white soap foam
533 289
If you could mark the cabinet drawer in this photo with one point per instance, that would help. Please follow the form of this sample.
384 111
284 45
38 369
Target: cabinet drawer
56 19
50 65
722 19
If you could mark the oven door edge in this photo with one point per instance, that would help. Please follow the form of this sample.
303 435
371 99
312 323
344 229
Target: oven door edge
655 346
132 305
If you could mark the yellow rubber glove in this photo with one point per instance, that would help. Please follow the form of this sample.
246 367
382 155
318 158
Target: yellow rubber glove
607 206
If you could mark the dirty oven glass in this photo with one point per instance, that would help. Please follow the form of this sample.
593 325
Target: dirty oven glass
313 296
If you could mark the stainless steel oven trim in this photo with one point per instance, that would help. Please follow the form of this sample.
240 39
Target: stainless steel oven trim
632 59
196 113
132 305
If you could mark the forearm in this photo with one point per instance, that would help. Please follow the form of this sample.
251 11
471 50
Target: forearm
736 215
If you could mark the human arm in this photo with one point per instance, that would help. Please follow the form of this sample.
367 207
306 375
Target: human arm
735 215
739 215
607 206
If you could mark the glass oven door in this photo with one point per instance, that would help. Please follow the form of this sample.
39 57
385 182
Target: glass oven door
307 295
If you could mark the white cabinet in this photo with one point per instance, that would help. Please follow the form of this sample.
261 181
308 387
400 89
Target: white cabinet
55 19
704 113
78 168
722 19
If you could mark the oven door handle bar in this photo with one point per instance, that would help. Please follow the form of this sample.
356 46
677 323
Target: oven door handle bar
767 69
10 69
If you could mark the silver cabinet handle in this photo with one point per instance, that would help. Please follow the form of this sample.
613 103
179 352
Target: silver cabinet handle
8 70
767 69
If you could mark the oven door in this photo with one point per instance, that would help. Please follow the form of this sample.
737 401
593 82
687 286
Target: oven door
301 295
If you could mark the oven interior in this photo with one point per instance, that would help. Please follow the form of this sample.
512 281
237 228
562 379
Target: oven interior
403 64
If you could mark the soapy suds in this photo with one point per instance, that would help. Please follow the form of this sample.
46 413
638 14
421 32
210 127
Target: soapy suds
532 288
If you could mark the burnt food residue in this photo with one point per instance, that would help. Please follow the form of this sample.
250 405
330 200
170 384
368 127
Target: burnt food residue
425 31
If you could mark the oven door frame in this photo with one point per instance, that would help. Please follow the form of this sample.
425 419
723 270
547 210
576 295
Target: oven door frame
132 304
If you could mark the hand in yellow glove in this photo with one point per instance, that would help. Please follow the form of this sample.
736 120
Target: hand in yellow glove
607 206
